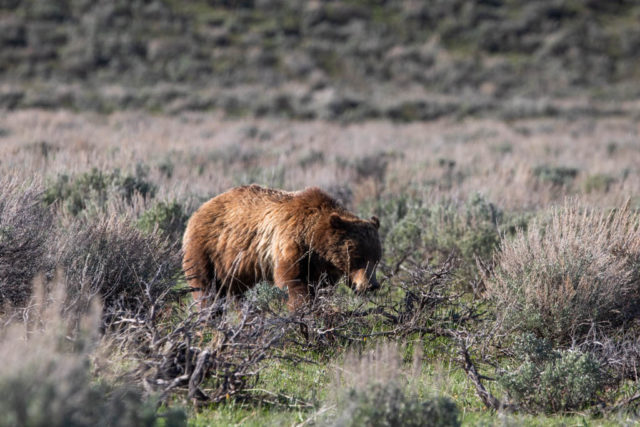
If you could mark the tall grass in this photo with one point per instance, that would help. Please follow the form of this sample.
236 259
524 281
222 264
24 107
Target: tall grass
571 276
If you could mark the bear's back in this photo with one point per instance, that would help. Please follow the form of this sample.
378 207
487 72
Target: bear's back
263 199
239 228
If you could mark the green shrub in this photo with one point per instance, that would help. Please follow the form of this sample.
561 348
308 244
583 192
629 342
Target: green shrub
374 390
556 175
598 183
265 296
166 167
391 405
570 272
471 231
412 228
552 381
311 158
168 218
94 188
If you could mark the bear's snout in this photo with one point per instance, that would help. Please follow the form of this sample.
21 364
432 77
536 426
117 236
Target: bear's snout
364 280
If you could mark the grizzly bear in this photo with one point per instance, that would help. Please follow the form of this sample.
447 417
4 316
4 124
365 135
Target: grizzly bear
251 234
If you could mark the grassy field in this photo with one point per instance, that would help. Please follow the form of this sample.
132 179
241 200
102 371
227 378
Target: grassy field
479 217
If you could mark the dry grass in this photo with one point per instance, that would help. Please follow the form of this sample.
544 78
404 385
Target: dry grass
46 378
207 154
108 257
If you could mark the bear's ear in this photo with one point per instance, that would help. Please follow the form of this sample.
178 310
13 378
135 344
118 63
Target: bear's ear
375 221
337 221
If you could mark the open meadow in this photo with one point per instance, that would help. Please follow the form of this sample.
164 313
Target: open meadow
510 273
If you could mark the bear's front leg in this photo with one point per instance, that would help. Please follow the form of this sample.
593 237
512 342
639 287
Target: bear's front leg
287 275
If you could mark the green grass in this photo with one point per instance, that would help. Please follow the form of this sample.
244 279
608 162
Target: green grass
315 383
315 380
303 382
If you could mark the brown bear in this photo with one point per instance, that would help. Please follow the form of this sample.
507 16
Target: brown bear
251 234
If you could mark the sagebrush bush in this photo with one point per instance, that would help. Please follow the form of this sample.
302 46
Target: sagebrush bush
108 256
373 391
266 296
388 405
168 218
568 273
556 175
413 229
598 183
46 380
93 189
25 227
552 380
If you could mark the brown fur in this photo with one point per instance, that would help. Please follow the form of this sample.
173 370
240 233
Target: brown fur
250 234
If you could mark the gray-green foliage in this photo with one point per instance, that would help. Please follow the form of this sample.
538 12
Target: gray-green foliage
111 258
382 405
556 175
544 379
598 183
60 392
411 227
265 296
94 188
570 272
168 218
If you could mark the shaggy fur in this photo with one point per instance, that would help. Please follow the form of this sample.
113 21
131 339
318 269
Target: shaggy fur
250 234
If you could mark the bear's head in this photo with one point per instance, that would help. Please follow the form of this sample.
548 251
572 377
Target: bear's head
355 249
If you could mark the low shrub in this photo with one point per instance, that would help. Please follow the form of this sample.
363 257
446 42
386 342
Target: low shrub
266 296
109 257
94 188
391 405
374 392
416 231
46 380
568 273
559 176
552 380
25 227
167 218
598 183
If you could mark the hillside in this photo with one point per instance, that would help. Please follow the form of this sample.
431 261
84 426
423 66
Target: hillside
342 59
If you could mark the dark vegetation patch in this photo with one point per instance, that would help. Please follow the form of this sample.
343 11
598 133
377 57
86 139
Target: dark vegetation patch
167 218
24 222
552 380
93 189
161 53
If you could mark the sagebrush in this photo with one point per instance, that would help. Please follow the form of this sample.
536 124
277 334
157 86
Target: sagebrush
569 272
